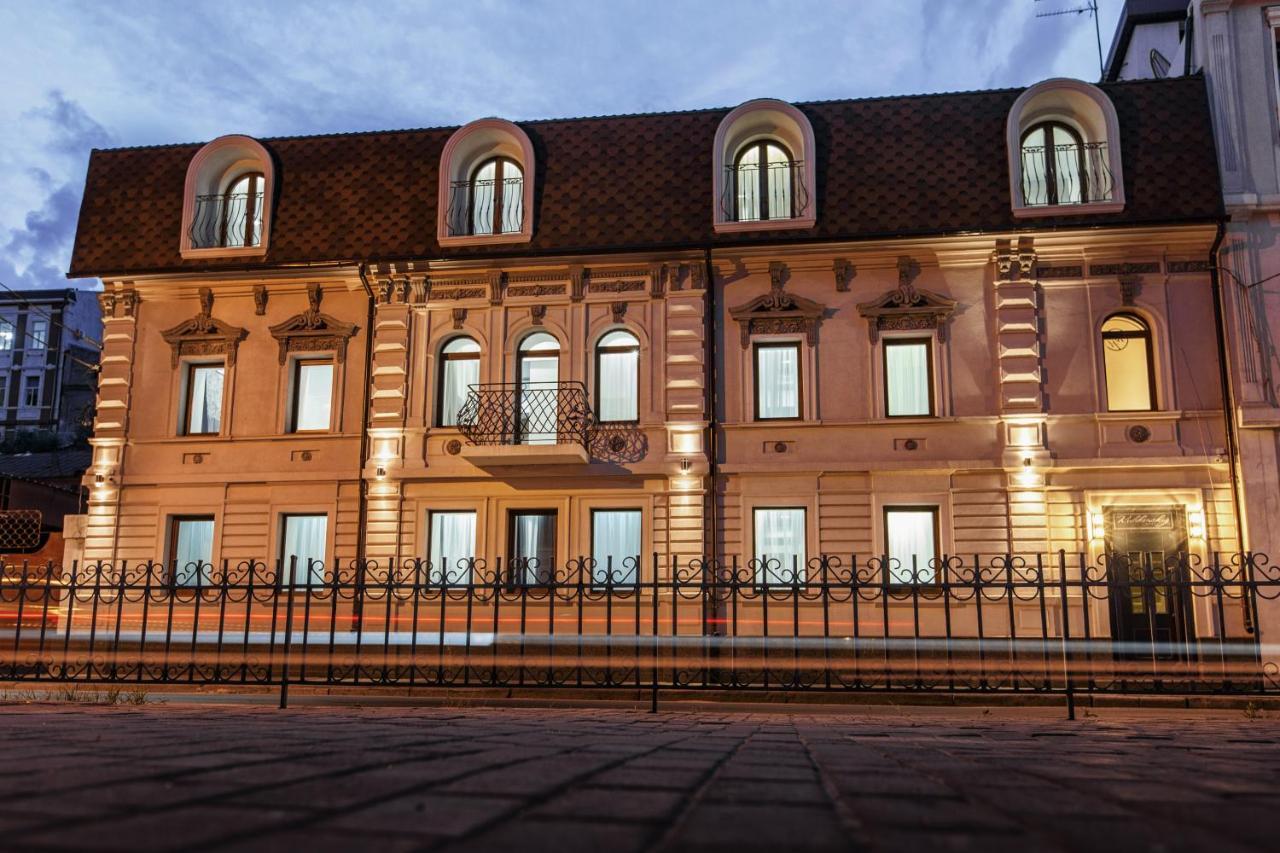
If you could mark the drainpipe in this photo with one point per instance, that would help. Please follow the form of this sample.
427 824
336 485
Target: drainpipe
1228 388
713 374
363 514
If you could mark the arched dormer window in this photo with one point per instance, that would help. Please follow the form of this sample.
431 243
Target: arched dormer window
1128 364
486 185
1063 140
763 172
459 370
229 194
618 378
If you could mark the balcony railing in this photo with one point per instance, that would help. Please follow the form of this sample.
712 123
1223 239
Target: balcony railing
783 194
486 207
1065 174
220 220
527 413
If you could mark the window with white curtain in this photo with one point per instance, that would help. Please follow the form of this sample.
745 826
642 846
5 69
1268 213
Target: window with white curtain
459 370
191 549
911 543
908 378
533 546
497 197
204 399
615 546
539 372
451 545
618 378
780 545
777 368
312 395
304 537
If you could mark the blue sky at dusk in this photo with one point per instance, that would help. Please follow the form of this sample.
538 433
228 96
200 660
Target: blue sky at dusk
80 75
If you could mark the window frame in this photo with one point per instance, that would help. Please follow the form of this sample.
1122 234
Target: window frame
445 358
184 421
936 511
930 376
38 376
9 320
761 146
802 576
606 350
512 514
595 510
756 346
1051 163
172 568
295 379
431 514
255 197
1148 336
30 343
500 162
284 542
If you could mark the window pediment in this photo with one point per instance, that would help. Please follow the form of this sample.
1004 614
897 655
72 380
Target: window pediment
313 331
907 307
778 312
204 335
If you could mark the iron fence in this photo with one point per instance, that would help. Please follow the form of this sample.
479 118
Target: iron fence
527 413
1047 624
478 207
1065 174
753 193
221 219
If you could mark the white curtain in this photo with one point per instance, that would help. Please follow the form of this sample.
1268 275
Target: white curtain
907 375
778 382
748 177
535 538
780 545
619 386
512 197
482 193
459 376
304 538
779 182
206 399
315 396
538 377
615 545
909 535
193 550
453 544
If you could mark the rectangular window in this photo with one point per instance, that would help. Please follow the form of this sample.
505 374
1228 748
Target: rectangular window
31 383
780 545
303 539
533 546
615 546
451 544
4 390
312 396
777 381
37 332
911 543
191 549
7 332
908 378
204 399
617 383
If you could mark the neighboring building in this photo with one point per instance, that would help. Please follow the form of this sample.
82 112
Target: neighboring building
47 381
968 323
37 492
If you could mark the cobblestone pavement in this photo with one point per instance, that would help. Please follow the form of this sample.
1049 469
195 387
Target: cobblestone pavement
206 776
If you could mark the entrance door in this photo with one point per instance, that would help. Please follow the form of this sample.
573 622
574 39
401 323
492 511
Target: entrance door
1146 547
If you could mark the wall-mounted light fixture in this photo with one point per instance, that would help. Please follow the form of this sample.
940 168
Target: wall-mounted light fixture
1195 523
1097 526
381 472
685 465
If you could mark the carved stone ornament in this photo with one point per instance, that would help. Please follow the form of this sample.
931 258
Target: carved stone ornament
907 307
497 287
778 312
1139 434
844 273
129 301
537 313
203 335
260 299
657 280
577 283
619 310
1015 261
459 317
312 331
1130 288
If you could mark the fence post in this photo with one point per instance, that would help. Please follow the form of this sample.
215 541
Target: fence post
653 688
1066 633
288 627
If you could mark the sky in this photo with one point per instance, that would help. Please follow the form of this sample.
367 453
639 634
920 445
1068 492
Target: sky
84 75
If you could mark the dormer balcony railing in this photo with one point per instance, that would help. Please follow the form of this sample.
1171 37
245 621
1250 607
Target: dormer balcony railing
1066 174
485 207
227 220
534 414
753 193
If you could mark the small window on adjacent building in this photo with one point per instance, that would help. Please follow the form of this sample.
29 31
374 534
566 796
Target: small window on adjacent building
312 396
1126 356
37 333
911 543
191 549
7 333
777 368
497 197
459 370
4 391
532 549
302 547
618 378
451 545
908 378
780 545
615 546
31 384
203 412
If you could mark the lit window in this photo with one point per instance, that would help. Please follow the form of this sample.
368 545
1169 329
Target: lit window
777 381
240 214
762 178
31 383
532 540
312 395
7 333
37 332
911 543
617 378
780 545
615 546
204 399
497 197
191 549
539 374
908 378
1126 356
302 547
451 545
459 370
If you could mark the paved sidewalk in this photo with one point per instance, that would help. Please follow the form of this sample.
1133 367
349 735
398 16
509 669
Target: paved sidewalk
323 778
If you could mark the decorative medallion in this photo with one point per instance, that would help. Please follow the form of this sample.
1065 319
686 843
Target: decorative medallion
1139 434
778 312
907 307
312 331
203 335
453 447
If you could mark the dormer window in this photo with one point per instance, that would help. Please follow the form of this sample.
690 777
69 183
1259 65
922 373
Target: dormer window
1054 167
229 195
486 185
495 197
763 169
232 218
761 182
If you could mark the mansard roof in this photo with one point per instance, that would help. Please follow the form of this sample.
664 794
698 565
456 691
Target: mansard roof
886 167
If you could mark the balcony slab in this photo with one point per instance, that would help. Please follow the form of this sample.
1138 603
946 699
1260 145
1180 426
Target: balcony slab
498 455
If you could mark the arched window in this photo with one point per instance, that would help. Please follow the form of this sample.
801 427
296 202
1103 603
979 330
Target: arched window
618 378
497 197
241 212
1054 170
762 180
538 369
459 370
228 199
1127 361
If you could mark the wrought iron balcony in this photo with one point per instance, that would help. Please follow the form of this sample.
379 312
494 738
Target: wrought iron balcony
756 194
549 420
483 207
1065 174
227 220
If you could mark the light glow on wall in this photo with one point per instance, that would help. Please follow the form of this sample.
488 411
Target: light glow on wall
1195 523
1097 527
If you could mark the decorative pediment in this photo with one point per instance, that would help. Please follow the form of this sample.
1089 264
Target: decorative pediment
778 312
908 307
312 331
203 335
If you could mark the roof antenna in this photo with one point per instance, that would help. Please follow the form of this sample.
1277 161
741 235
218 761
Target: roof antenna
1089 7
